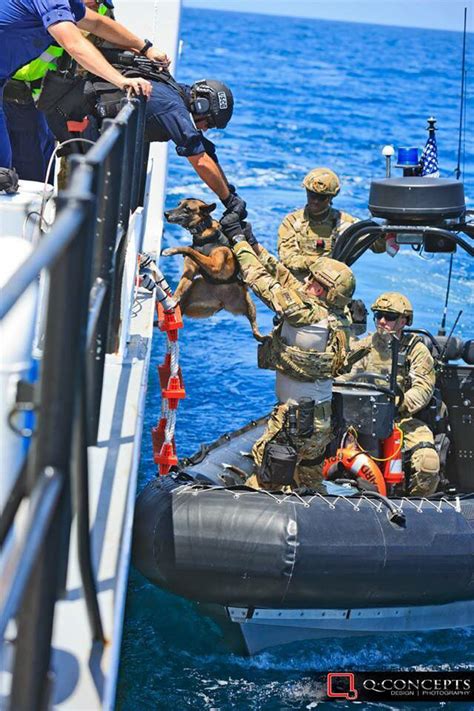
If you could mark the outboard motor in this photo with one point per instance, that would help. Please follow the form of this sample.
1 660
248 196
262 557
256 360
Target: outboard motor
368 408
371 446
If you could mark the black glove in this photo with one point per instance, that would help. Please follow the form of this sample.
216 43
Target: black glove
248 233
9 181
234 203
231 227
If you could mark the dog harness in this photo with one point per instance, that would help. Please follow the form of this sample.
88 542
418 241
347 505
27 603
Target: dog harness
205 246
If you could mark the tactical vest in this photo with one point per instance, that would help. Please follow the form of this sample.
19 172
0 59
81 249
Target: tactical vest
321 240
33 72
206 247
306 365
384 365
407 343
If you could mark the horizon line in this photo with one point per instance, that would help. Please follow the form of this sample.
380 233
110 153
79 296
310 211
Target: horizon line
320 19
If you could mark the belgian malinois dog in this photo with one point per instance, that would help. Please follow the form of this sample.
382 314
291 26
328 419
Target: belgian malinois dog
209 280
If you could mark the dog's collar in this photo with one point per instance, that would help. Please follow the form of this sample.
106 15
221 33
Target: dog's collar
217 237
203 225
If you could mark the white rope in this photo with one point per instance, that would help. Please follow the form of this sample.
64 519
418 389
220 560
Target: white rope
170 426
174 356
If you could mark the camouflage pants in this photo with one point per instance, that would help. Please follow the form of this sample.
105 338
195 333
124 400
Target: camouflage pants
308 448
424 462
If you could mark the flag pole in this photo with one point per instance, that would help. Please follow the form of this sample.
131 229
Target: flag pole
457 172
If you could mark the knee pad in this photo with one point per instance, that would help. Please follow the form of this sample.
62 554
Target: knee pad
425 461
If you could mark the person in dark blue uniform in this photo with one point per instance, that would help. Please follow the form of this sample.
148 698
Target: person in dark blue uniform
26 29
181 113
32 142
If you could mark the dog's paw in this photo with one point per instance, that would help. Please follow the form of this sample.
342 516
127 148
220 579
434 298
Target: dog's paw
169 252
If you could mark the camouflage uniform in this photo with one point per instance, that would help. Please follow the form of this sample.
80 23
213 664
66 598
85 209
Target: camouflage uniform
283 293
416 379
301 237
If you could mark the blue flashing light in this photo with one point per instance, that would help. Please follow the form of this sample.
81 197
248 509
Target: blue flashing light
407 158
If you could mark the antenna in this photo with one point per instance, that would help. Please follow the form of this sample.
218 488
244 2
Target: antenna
450 335
442 328
457 172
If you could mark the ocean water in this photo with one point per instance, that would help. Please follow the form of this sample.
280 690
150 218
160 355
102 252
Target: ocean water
307 93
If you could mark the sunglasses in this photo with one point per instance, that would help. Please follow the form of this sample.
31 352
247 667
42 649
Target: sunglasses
318 197
387 315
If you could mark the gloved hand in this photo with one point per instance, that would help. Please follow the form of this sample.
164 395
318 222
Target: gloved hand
399 401
234 203
248 233
9 180
231 227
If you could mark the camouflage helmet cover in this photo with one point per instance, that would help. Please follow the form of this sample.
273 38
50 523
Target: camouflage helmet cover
336 277
323 181
395 303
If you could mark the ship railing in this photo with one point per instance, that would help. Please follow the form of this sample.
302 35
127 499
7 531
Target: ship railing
84 256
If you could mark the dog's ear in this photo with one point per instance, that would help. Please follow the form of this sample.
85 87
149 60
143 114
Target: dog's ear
210 208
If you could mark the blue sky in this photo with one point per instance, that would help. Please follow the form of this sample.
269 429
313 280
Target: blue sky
435 14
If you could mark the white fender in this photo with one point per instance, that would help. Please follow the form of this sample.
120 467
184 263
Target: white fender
16 341
17 211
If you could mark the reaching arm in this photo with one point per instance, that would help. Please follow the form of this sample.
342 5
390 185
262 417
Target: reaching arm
278 296
115 33
278 270
211 173
88 56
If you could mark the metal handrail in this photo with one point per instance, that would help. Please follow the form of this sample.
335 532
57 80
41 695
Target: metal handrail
84 283
44 498
361 235
47 251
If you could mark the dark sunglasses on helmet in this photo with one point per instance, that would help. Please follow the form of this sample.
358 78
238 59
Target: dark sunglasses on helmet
387 315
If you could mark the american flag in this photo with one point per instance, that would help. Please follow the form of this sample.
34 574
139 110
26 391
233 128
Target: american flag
429 158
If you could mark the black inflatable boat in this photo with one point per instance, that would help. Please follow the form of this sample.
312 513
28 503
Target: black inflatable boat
337 561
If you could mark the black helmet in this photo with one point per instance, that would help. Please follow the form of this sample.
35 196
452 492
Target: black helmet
213 100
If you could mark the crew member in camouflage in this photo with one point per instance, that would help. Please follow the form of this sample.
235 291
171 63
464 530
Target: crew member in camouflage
416 379
306 349
313 230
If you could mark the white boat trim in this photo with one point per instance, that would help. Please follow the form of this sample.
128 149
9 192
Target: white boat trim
114 466
263 628
85 671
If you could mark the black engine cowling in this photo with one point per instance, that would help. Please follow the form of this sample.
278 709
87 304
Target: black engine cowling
415 200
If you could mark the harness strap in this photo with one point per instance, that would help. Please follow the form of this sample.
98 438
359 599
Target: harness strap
407 344
420 445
